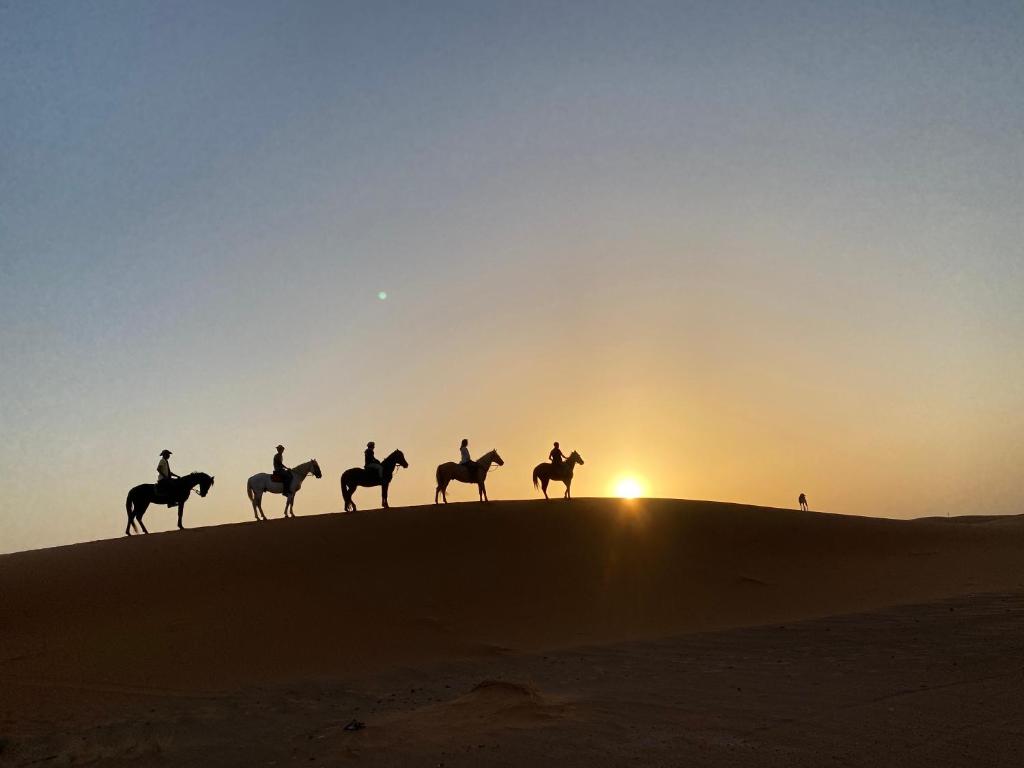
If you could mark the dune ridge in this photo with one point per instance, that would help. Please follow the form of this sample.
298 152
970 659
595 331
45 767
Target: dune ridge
347 594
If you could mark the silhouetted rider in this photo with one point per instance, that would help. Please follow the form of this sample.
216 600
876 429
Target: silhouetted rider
466 460
164 475
556 455
283 471
370 462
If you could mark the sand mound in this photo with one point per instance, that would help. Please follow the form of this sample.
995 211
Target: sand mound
492 706
503 703
503 691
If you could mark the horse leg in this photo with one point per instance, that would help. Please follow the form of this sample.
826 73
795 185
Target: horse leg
139 512
181 511
131 518
568 487
384 495
544 486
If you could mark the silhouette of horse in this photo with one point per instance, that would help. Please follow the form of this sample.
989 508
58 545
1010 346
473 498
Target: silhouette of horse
546 472
451 471
367 478
178 491
263 482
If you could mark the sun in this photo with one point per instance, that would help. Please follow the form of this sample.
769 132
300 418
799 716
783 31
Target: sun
628 488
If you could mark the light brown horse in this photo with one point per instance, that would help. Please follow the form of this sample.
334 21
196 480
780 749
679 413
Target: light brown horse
546 472
451 471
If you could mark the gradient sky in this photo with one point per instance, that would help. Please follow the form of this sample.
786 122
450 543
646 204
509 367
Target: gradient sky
741 249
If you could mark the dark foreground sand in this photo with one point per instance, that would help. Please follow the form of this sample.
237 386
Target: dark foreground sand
521 633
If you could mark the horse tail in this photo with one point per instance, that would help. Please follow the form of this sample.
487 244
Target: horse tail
345 495
250 492
536 476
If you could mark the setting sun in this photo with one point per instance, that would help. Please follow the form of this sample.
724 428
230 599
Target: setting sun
628 488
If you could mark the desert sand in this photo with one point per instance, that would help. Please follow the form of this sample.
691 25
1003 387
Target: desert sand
591 632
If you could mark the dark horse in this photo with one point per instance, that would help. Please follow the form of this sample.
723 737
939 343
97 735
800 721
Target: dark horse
141 496
546 472
353 478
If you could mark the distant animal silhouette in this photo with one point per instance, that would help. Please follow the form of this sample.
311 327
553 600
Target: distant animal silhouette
803 502
262 482
451 471
172 492
547 471
367 478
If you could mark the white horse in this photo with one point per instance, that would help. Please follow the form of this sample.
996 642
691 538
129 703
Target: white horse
264 483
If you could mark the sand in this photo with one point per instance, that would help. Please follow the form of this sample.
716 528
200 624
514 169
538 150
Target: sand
594 632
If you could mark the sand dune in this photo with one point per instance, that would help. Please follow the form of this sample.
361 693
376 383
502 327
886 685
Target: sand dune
197 615
337 594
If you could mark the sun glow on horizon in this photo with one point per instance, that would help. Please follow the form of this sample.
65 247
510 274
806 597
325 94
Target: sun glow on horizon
628 487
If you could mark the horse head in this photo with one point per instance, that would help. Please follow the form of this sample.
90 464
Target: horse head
397 457
316 469
574 456
493 456
205 483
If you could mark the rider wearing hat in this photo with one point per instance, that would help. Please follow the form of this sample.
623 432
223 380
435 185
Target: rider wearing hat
163 469
370 462
283 471
163 473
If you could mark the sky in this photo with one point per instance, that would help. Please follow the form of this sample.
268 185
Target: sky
737 250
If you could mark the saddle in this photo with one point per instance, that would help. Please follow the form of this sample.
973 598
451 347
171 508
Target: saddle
162 493
277 477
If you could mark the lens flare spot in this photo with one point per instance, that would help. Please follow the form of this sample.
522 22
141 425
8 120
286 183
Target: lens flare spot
382 295
628 487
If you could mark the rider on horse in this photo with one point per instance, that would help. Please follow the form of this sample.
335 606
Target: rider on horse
556 455
370 463
284 472
164 474
466 460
